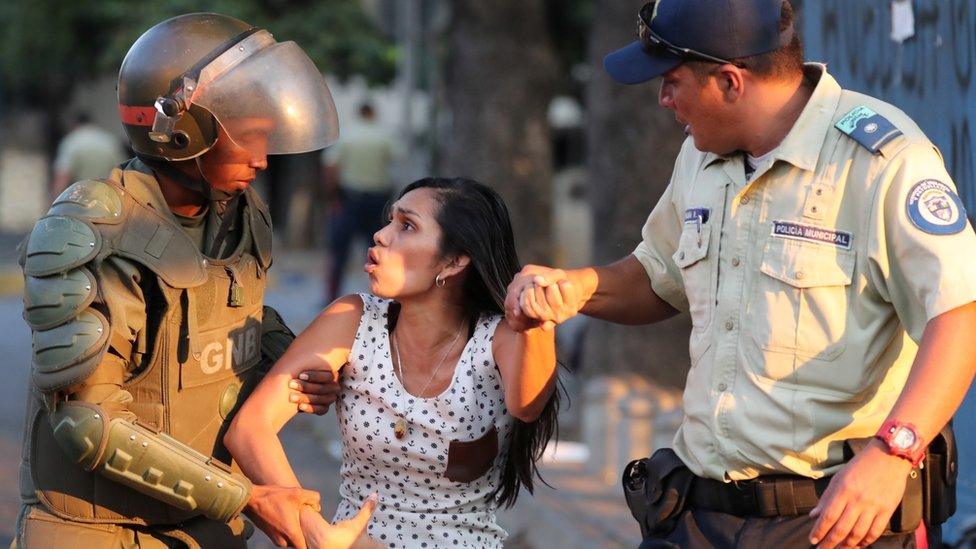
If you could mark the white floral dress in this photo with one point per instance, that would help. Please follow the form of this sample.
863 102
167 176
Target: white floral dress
435 483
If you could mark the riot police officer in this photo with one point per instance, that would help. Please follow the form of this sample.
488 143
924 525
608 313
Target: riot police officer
144 292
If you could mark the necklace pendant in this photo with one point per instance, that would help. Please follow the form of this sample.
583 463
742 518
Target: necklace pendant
400 430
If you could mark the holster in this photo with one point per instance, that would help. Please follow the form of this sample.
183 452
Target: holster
939 478
656 490
930 490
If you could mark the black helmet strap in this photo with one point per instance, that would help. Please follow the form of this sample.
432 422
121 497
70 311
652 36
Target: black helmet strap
202 186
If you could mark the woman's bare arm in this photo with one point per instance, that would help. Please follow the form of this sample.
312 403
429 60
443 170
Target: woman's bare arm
253 435
527 363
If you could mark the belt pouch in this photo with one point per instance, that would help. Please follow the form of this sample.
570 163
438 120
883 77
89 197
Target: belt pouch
939 477
656 490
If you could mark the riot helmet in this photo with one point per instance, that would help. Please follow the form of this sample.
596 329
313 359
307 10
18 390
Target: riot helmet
187 74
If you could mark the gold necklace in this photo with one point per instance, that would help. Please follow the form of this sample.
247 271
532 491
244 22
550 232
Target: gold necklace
400 429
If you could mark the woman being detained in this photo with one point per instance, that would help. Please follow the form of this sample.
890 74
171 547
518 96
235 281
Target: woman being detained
444 409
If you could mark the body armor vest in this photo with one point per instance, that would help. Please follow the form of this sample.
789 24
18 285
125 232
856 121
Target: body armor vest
188 374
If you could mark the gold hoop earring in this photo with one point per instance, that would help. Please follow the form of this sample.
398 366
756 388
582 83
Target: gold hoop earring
439 282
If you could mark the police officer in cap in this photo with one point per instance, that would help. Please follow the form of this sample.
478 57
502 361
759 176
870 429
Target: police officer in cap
144 292
819 244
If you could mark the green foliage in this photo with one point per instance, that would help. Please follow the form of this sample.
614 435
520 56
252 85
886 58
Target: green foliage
340 38
47 45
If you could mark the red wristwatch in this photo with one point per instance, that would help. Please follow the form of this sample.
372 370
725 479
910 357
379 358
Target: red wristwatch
902 440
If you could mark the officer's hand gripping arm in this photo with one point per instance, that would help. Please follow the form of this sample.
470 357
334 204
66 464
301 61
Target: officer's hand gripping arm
315 391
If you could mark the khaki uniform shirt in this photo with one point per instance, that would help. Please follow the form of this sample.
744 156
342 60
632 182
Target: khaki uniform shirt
364 155
809 286
88 152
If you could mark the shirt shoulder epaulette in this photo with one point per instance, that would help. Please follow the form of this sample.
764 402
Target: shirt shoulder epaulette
880 128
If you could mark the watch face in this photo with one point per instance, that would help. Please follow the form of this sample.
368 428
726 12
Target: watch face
904 438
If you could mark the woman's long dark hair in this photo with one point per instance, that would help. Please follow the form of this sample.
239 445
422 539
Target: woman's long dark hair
475 223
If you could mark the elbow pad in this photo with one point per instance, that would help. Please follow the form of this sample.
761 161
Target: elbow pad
149 462
275 334
275 339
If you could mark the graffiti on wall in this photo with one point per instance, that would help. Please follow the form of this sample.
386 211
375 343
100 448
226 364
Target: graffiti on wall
930 76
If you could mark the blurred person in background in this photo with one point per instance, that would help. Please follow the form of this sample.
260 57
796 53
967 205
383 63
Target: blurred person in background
87 151
445 410
144 292
357 186
818 242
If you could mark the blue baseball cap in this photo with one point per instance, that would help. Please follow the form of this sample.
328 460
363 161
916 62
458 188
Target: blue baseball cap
673 31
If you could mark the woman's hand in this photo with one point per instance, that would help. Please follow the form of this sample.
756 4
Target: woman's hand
541 296
551 301
514 314
351 533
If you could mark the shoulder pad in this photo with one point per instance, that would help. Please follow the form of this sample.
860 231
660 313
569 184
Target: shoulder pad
53 300
91 199
261 228
69 353
152 239
871 130
58 244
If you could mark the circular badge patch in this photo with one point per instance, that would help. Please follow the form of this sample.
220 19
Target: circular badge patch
934 208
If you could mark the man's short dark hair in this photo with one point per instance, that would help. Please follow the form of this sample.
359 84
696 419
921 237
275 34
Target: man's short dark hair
781 64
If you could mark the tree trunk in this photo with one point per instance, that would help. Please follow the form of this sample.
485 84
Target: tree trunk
500 76
632 144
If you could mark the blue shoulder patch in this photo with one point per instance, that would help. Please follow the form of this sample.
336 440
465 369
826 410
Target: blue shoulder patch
934 208
868 128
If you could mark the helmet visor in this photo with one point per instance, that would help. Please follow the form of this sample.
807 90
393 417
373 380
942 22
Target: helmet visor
274 101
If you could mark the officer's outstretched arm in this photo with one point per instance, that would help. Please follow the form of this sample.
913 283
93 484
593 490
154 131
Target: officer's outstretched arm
71 291
316 390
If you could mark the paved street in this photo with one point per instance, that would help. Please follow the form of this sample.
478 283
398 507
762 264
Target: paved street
15 348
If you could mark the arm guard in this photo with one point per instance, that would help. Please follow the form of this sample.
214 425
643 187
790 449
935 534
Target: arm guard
149 462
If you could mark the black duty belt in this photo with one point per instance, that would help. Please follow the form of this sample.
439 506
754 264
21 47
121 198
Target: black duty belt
768 496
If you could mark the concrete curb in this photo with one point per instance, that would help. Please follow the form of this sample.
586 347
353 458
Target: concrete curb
11 277
11 280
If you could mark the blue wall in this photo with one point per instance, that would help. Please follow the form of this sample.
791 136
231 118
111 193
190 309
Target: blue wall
932 77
